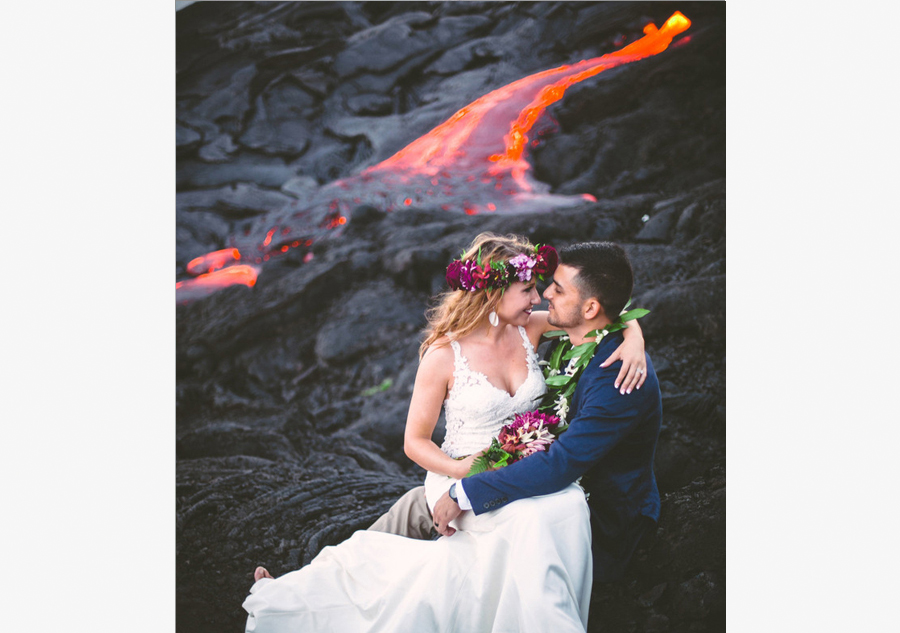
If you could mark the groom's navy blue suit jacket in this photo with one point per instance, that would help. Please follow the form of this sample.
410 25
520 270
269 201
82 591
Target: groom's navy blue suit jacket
610 444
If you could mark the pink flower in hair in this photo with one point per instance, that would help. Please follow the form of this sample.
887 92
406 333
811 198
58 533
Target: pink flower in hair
523 265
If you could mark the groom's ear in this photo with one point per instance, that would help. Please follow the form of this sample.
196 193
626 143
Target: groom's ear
592 309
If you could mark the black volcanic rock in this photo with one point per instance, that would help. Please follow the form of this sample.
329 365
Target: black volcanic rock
278 125
405 36
225 439
376 316
695 307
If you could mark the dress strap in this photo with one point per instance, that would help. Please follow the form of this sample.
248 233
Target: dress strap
459 361
530 355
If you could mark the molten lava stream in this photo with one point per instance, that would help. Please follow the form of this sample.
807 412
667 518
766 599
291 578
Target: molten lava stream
213 261
465 142
208 283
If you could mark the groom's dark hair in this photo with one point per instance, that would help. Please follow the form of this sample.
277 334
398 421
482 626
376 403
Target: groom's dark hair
604 271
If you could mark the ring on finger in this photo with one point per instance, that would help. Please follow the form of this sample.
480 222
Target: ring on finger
640 371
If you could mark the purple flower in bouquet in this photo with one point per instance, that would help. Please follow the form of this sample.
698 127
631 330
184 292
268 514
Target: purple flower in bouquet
527 434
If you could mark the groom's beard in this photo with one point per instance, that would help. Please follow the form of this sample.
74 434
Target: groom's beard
568 320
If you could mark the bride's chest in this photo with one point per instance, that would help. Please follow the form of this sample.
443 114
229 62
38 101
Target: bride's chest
474 392
506 368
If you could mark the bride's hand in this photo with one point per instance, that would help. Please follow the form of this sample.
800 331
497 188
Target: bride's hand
465 465
634 364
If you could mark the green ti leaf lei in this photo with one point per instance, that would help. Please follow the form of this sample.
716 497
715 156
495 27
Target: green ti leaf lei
561 383
567 362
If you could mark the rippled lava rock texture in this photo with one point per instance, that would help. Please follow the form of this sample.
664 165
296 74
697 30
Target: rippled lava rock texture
292 395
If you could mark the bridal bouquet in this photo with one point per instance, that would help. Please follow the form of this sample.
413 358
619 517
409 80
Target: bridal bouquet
527 434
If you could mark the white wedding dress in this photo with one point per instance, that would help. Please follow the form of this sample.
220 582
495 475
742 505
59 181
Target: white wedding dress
526 567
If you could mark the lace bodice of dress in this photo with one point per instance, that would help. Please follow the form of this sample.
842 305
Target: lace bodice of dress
476 410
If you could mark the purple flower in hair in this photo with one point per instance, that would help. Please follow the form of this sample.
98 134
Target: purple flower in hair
453 275
548 260
467 275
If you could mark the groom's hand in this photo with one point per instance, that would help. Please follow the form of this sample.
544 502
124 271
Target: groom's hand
445 510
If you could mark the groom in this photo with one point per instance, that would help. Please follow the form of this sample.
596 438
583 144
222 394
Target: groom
611 438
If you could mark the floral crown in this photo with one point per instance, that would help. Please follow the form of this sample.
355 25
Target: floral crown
471 275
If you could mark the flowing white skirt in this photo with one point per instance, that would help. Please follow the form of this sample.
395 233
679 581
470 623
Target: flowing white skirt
525 567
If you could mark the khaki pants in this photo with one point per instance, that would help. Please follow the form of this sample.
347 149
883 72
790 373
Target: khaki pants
408 517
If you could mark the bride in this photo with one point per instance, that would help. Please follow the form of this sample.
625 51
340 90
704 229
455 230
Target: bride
524 567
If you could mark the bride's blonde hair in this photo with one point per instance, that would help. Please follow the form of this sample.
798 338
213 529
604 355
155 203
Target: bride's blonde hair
462 312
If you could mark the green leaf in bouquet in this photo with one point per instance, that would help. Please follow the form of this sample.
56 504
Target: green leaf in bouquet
503 461
495 450
628 303
480 465
570 389
493 458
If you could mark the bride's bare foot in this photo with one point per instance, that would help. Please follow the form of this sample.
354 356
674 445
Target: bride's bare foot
261 573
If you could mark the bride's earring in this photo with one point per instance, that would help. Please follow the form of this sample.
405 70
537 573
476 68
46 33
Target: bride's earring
494 319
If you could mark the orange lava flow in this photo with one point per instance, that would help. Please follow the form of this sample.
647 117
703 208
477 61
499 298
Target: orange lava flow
443 146
213 261
210 282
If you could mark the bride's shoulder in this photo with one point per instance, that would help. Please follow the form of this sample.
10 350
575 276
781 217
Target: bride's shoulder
538 323
437 363
439 353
